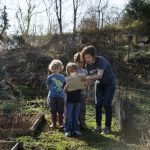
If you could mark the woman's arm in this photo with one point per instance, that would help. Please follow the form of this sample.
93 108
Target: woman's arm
97 76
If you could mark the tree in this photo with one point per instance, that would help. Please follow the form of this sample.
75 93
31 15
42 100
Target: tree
140 10
100 10
76 4
5 22
95 15
88 23
24 19
113 16
48 13
58 10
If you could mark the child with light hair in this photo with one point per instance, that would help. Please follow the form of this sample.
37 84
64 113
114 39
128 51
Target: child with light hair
80 70
73 103
55 83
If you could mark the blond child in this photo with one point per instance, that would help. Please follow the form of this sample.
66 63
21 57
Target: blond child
55 83
73 103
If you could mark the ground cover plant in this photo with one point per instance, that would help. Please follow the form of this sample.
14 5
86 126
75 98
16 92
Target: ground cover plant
55 139
133 138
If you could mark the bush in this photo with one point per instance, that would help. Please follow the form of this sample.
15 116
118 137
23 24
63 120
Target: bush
7 107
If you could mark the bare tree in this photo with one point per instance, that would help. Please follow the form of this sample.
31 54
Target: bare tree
88 23
58 10
95 13
76 4
113 16
24 20
100 10
4 19
48 13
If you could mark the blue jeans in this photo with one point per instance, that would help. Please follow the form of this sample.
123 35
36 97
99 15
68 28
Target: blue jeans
104 96
72 116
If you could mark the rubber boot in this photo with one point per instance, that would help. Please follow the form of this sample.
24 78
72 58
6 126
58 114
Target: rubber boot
61 117
54 119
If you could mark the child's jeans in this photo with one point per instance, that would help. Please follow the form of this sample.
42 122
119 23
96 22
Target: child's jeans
72 116
56 104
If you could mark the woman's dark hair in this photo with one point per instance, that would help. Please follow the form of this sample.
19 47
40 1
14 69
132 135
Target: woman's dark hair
91 50
77 57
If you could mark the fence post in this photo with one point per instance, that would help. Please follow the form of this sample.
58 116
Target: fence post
119 108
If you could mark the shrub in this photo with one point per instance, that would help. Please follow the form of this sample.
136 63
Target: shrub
7 107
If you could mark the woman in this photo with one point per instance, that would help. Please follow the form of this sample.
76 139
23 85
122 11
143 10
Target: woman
99 69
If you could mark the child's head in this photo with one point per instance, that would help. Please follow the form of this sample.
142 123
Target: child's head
71 68
55 66
77 60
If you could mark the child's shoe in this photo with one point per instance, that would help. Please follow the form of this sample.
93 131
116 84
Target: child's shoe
67 134
60 116
77 133
53 126
54 119
106 130
97 128
61 126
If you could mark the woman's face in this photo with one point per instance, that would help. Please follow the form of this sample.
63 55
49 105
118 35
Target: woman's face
89 59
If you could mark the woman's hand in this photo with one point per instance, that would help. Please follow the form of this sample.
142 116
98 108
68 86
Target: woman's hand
83 78
86 78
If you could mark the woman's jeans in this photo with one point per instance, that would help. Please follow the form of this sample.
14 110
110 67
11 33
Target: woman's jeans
104 97
72 117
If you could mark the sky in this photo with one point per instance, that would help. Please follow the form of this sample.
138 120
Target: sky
41 20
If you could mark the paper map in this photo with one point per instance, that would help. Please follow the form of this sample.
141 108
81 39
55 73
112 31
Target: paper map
74 82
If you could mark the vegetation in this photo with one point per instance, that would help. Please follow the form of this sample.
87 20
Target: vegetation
131 138
4 25
55 139
24 58
7 107
138 12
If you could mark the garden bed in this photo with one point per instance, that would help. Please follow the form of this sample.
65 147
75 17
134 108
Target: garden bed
19 124
10 145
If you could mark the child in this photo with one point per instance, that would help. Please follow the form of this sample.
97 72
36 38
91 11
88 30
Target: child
55 83
83 92
73 103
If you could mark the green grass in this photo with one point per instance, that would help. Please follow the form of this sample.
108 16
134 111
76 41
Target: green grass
142 53
48 139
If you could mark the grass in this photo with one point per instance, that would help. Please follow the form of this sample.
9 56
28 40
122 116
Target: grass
48 139
136 123
137 119
142 53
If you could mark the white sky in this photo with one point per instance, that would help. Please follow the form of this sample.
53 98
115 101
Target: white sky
12 6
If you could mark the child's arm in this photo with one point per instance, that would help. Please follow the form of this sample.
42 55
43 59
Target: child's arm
48 82
66 88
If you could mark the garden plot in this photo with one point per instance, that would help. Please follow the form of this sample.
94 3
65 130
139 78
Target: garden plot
19 124
10 145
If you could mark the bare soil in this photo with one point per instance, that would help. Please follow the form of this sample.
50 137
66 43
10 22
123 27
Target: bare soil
15 123
6 146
